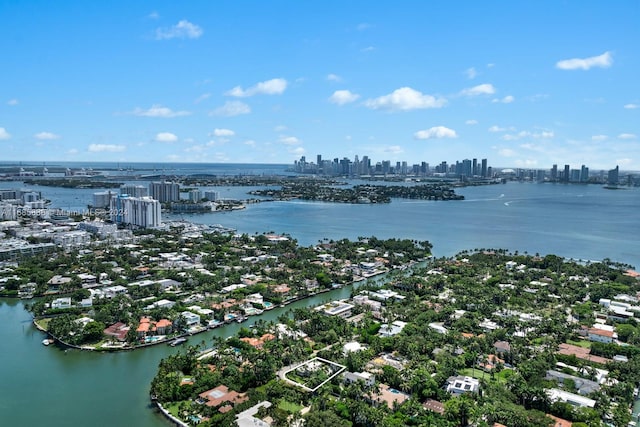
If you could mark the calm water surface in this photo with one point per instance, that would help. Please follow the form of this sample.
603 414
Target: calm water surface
45 386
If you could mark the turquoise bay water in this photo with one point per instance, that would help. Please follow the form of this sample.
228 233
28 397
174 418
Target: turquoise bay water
46 386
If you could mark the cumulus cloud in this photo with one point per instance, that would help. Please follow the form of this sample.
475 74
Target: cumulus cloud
12 102
165 137
599 138
506 100
471 73
342 97
627 136
631 106
471 122
43 136
405 99
4 134
602 61
483 89
268 87
250 143
495 128
289 140
73 151
435 132
222 132
106 148
334 78
159 111
231 108
182 30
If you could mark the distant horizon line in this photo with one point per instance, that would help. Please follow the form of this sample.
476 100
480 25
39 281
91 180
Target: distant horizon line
39 163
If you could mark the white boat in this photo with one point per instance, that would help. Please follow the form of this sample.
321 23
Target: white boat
47 341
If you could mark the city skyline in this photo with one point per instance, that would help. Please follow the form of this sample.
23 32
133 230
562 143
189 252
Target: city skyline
527 85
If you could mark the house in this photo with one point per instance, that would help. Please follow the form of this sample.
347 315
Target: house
501 347
118 331
219 395
557 395
601 335
191 319
462 384
336 308
559 422
366 377
61 303
391 329
583 386
439 328
433 406
164 327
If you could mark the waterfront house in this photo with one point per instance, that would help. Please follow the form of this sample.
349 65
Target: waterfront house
61 303
118 331
557 395
219 395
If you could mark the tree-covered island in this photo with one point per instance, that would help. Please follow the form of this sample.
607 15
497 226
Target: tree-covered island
169 284
485 338
364 193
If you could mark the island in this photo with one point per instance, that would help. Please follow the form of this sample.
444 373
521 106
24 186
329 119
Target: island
484 338
174 283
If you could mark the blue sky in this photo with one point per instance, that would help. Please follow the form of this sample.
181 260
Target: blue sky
524 84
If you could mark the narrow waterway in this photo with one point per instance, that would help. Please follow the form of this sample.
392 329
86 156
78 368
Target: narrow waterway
49 386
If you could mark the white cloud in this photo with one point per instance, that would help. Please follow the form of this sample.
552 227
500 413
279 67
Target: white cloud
631 106
106 148
166 137
159 111
223 132
12 102
627 136
153 15
46 136
471 122
334 78
280 128
435 132
268 87
506 100
289 140
4 134
405 99
526 134
342 97
599 138
394 149
471 73
483 89
202 98
231 108
603 61
298 151
368 49
73 151
182 30
363 26
495 128
250 143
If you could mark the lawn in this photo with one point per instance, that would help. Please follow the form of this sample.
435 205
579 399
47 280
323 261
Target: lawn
501 376
289 406
581 343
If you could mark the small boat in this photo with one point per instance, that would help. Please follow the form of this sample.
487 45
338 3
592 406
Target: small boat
47 341
177 341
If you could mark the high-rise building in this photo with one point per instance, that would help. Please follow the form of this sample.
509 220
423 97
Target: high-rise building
102 199
567 174
143 212
584 174
212 196
134 190
554 173
165 191
483 168
195 195
613 177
